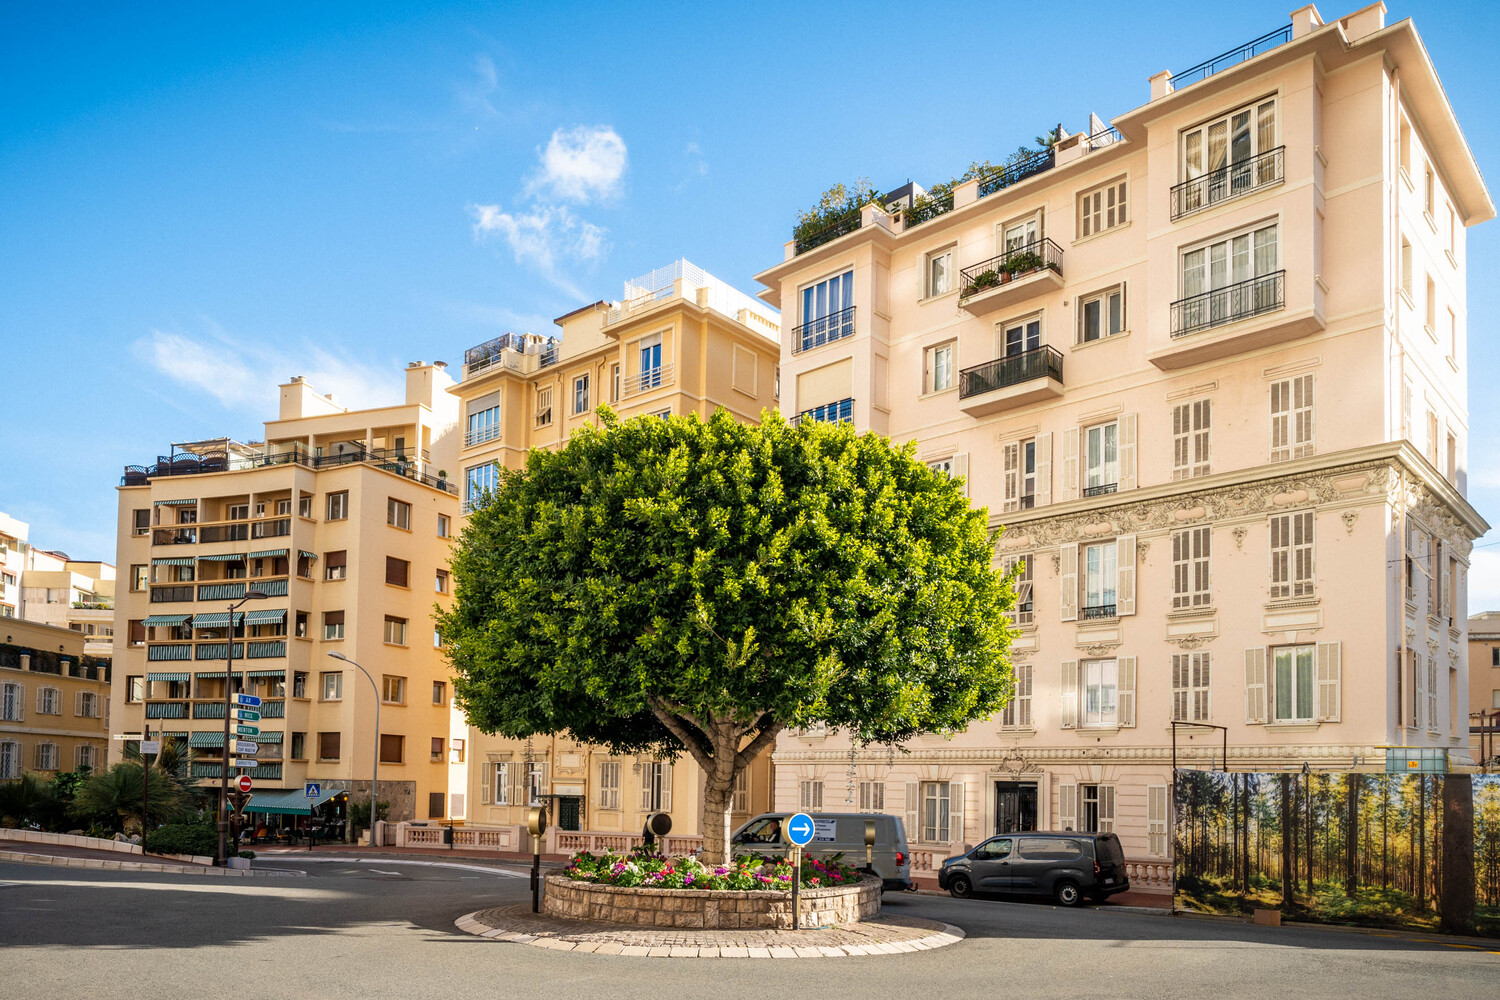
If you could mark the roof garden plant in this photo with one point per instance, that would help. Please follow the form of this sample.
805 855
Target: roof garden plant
839 203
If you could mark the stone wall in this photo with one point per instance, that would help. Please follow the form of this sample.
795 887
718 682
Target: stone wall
707 908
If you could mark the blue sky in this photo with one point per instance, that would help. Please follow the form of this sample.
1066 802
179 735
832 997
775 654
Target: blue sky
200 200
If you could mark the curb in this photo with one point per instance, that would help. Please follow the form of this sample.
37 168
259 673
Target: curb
948 935
336 859
100 864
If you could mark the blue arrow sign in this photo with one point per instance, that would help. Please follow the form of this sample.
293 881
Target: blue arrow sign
799 829
312 789
247 700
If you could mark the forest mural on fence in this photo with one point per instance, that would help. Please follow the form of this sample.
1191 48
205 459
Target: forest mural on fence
1358 848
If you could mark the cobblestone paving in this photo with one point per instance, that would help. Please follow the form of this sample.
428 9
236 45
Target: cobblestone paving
886 935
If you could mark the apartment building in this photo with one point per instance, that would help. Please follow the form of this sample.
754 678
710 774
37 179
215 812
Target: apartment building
342 520
54 701
41 585
1206 366
1484 689
680 341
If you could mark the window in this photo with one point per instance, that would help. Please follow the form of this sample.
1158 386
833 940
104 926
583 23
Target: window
499 774
1431 308
483 419
1101 459
436 753
1101 209
827 312
304 505
10 759
479 481
1190 551
1101 315
614 383
299 746
609 785
1292 684
1432 438
49 701
328 746
440 582
1190 687
87 706
135 688
333 624
810 794
581 394
332 685
830 412
1020 465
1432 692
939 367
1406 267
1292 555
739 792
1022 233
283 508
1429 193
445 526
437 639
12 707
1452 464
871 796
1096 808
85 757
299 625
1405 148
1021 336
458 751
1228 280
651 367
1099 577
1230 155
940 272
1291 418
335 565
1452 336
1100 687
936 801
1017 714
392 748
398 513
46 756
397 572
338 506
536 783
140 576
393 690
1191 426
395 630
543 416
439 692
1156 820
141 521
1023 611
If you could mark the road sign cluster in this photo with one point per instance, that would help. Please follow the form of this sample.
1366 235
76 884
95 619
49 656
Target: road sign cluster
245 712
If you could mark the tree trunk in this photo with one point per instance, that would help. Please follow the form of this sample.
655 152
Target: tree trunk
1351 836
1456 904
718 797
1288 825
1421 838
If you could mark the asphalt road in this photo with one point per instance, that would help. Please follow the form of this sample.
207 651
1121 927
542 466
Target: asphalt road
374 929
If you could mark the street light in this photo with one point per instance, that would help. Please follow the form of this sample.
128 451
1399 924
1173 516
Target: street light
250 595
374 771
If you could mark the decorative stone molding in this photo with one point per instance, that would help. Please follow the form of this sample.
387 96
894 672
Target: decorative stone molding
1326 756
710 908
1191 641
1350 516
1239 533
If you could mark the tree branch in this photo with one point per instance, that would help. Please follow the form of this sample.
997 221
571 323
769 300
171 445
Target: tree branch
674 724
762 739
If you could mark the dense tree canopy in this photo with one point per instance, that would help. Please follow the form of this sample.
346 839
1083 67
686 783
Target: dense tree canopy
661 585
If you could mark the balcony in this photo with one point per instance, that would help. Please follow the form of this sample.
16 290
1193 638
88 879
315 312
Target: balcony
265 649
1011 381
1014 173
175 651
1235 56
842 226
1101 490
166 710
218 651
172 594
480 435
401 462
831 413
823 330
208 710
185 534
523 353
1091 611
645 381
1246 316
1228 183
1017 274
273 709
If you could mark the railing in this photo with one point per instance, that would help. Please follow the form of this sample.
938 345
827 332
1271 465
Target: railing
269 771
403 463
1097 611
271 588
1015 263
262 650
276 527
1014 173
158 653
649 378
823 330
208 710
221 591
239 531
184 534
1229 304
509 350
1251 49
833 413
1107 136
841 226
1151 876
166 710
1229 182
1023 614
273 709
931 208
1041 362
218 651
1103 489
481 435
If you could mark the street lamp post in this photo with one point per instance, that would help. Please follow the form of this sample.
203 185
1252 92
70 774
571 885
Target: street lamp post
375 769
250 595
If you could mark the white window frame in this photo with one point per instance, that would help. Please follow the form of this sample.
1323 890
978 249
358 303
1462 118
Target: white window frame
581 394
1032 335
1191 679
655 785
337 506
1293 404
398 513
1112 322
1259 142
49 701
1106 472
1100 576
1103 208
609 785
12 703
940 368
334 680
392 684
1192 439
1192 549
1024 611
395 630
10 759
1291 655
543 416
739 792
536 782
88 705
938 271
1292 541
937 817
822 304
499 782
1223 261
1099 694
46 757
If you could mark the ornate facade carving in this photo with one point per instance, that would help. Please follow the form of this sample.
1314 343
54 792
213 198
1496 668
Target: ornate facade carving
1239 532
1350 517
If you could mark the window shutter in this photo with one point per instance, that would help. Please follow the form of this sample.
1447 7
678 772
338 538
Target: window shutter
1106 808
913 810
1069 694
40 708
1329 687
961 469
1070 464
666 788
1126 691
1044 469
485 773
519 793
955 812
1068 581
1127 451
1255 685
1125 575
1012 465
1067 807
78 705
1156 820
646 787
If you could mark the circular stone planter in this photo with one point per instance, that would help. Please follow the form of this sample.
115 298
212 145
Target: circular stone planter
710 909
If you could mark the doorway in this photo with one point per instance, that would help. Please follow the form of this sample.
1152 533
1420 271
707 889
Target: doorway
569 808
1015 806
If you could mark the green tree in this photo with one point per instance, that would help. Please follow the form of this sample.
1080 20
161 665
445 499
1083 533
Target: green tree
114 796
25 801
688 585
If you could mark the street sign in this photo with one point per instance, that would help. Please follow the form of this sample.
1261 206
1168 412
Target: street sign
247 700
246 715
244 783
150 746
799 829
312 789
246 764
247 730
239 800
246 747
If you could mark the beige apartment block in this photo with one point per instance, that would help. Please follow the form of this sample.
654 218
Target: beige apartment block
41 585
343 520
54 701
1207 368
1484 689
680 341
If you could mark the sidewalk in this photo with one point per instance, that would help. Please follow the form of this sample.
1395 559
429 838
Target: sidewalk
68 856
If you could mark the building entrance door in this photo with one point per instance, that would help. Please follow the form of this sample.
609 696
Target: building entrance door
1015 806
568 809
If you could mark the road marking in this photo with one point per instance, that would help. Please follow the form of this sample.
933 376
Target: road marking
382 871
502 872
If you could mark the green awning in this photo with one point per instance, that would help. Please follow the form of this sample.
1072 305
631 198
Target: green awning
216 675
265 737
174 561
268 554
290 802
166 677
175 736
217 620
307 555
206 740
175 503
276 674
166 619
224 557
265 617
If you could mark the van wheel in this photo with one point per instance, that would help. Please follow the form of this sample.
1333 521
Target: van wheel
960 887
1066 893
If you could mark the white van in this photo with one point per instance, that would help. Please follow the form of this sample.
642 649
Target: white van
835 833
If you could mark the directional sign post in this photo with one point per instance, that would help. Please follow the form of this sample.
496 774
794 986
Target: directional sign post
247 701
247 730
246 715
245 747
245 765
799 831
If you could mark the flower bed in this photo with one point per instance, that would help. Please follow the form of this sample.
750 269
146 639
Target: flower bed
642 869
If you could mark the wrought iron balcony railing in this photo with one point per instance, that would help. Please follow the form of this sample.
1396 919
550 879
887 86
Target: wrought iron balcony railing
1229 304
1233 57
1098 611
1042 362
1015 263
1013 173
841 226
1103 489
823 330
838 412
1229 182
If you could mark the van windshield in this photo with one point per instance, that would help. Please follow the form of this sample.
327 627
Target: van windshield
761 831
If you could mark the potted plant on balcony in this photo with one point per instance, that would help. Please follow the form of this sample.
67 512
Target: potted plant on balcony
442 479
1024 263
983 280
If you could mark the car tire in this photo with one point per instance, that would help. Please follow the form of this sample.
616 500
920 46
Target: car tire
1067 893
959 887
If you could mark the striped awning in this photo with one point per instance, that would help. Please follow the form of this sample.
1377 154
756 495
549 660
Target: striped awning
217 620
215 675
274 674
206 739
175 736
174 561
265 617
307 555
224 557
166 677
266 737
166 619
175 503
268 554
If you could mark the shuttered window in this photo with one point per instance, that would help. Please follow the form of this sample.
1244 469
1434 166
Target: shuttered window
1191 429
328 745
1292 555
1017 713
335 565
1023 612
1156 820
397 571
872 796
1102 208
1291 418
609 785
810 794
1190 554
1190 677
392 748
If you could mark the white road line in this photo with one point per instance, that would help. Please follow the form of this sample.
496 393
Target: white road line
502 872
382 871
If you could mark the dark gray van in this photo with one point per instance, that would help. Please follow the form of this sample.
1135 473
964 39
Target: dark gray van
1069 867
836 833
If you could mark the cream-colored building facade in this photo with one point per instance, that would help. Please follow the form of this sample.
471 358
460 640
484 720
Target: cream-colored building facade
1207 370
54 701
1484 689
679 342
343 519
41 585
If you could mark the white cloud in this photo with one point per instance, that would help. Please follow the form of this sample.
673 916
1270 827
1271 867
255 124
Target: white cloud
582 164
544 236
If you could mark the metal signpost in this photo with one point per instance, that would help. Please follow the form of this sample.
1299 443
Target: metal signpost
799 831
536 824
312 790
230 701
148 745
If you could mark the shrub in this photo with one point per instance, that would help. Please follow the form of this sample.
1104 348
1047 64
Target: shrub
183 838
651 871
